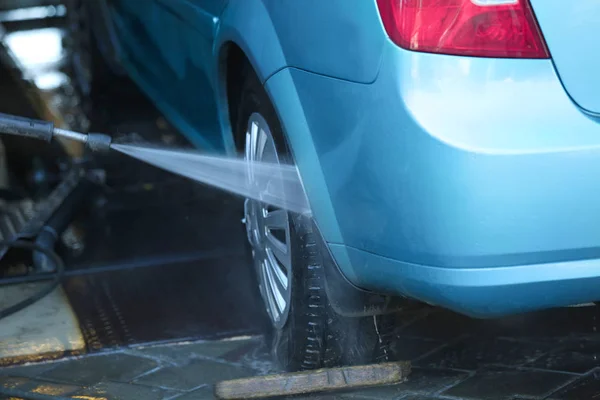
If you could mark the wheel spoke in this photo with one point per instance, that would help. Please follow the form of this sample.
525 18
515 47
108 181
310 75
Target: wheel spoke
278 272
276 219
269 291
279 300
253 140
280 251
248 158
261 142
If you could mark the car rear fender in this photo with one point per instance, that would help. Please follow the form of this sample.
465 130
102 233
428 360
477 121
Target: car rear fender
248 24
323 37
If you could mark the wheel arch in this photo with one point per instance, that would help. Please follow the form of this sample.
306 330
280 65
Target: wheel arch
245 37
232 64
346 299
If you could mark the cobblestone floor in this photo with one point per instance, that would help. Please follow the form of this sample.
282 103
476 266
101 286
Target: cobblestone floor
551 355
182 371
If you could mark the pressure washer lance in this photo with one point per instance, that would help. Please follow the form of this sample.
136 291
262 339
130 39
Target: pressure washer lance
43 130
276 184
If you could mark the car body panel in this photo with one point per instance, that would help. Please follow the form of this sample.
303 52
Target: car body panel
481 292
172 62
440 177
273 34
571 30
495 192
249 25
341 38
451 164
202 15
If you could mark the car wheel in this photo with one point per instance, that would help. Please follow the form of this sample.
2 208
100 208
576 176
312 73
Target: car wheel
288 259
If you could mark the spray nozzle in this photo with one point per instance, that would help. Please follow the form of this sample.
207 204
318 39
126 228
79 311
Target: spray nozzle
43 130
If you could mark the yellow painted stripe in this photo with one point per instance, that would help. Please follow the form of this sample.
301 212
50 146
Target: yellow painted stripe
44 328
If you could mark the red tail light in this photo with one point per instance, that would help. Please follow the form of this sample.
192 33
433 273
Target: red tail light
484 28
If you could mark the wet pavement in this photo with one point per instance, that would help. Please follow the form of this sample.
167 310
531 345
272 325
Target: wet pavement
184 371
547 355
161 285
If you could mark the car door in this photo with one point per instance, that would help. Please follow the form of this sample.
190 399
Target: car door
169 43
188 44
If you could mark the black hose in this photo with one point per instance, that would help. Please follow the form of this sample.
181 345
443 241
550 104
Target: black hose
46 238
57 278
57 223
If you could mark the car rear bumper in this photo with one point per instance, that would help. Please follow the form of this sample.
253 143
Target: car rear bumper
470 183
480 292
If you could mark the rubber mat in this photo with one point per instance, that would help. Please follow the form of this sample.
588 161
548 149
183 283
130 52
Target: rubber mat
203 299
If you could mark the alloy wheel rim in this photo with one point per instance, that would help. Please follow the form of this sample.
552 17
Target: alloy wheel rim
268 227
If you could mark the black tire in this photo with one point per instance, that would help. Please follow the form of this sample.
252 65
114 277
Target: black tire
313 336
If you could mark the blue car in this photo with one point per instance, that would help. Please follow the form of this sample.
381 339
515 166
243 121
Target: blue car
449 149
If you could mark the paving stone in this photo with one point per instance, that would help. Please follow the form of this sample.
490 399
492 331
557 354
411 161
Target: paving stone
49 388
30 371
578 357
474 353
91 370
340 396
13 382
584 388
440 325
336 396
247 350
429 381
37 386
547 324
255 354
182 353
503 384
411 348
123 391
381 392
192 375
204 393
415 312
362 395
